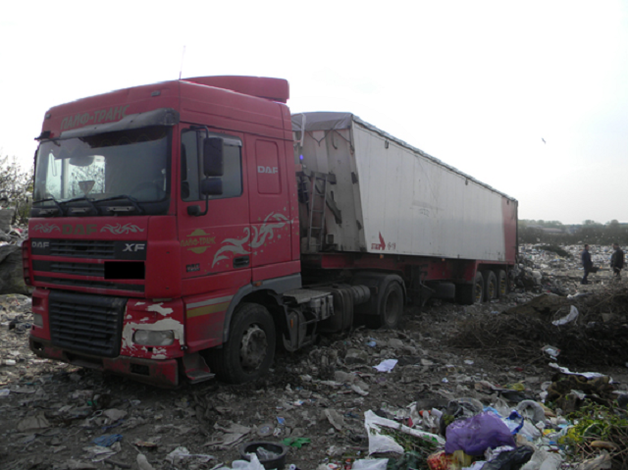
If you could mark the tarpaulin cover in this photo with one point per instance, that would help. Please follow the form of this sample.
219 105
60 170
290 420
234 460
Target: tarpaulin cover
321 121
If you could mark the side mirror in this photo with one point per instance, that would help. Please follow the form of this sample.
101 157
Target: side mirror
211 187
213 157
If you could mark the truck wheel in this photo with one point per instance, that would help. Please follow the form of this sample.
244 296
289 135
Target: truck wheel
468 294
249 352
502 283
342 319
389 309
490 286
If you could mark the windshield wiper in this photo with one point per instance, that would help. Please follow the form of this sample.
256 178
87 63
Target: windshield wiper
59 207
76 210
131 199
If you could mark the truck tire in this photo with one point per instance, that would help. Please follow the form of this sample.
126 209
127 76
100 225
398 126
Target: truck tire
490 286
389 307
502 283
250 350
342 319
445 290
469 294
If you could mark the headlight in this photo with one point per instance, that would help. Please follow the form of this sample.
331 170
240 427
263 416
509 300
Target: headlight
153 338
38 320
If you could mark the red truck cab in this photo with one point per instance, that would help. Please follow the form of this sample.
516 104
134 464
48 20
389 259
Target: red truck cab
130 275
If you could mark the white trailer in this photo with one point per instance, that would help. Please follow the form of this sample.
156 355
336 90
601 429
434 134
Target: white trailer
384 196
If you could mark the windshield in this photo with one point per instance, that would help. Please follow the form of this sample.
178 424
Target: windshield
128 165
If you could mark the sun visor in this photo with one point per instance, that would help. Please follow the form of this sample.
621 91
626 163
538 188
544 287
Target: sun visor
157 117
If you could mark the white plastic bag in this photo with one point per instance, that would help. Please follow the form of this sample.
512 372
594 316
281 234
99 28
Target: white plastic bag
370 464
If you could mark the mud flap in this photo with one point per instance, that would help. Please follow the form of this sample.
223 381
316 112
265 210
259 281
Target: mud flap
196 368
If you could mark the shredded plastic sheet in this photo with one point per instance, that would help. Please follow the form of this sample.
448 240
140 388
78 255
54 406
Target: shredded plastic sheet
382 443
571 316
180 454
588 375
386 365
254 464
370 464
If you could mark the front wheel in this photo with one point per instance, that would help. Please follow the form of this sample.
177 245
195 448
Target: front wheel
250 350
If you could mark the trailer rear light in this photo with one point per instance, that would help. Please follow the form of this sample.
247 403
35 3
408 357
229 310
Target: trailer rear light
153 338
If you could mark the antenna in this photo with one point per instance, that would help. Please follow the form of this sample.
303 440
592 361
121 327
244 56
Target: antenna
181 67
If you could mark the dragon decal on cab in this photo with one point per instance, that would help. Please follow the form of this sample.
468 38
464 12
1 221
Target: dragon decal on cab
238 246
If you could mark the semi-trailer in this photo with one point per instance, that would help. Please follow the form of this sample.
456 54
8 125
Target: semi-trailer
187 229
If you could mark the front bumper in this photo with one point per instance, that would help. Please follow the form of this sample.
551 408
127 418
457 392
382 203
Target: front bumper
162 373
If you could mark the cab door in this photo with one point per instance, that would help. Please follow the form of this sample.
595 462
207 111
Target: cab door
215 246
270 208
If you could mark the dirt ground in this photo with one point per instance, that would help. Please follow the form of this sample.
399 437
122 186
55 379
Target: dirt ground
51 413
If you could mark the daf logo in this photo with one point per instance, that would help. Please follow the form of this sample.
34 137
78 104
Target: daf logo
267 169
41 244
134 247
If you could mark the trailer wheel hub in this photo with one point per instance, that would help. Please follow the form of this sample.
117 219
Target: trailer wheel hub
253 347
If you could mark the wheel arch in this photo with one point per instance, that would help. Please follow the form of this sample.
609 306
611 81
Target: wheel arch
267 294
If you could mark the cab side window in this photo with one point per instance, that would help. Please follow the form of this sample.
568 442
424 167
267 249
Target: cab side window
191 165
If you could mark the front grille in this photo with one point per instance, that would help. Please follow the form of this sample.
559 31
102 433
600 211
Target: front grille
91 284
83 248
90 324
79 269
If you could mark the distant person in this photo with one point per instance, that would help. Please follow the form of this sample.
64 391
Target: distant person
617 261
587 264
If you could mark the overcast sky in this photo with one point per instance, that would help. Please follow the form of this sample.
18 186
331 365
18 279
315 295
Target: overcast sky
477 84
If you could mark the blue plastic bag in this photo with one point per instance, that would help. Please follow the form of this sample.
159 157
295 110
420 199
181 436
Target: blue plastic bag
107 440
476 434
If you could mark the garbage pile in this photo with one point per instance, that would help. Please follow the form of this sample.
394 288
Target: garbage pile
585 329
512 430
549 268
11 238
482 386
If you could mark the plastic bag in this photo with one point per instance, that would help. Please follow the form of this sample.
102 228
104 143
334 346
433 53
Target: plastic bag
512 460
476 434
381 443
253 464
370 464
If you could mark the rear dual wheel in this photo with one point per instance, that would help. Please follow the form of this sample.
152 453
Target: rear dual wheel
487 285
491 287
502 283
389 307
469 294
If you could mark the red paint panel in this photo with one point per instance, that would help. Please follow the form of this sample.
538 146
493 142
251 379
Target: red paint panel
205 285
267 160
205 319
163 259
40 306
276 270
276 89
270 215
